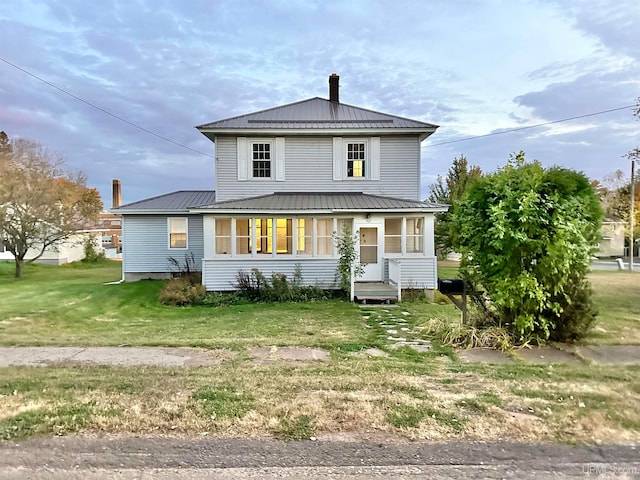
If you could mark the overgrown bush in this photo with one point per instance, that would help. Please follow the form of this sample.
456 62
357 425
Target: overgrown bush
578 314
255 286
187 269
526 234
186 288
458 335
180 291
91 255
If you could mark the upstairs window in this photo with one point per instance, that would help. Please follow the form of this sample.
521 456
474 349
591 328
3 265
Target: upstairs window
356 158
356 154
261 160
177 233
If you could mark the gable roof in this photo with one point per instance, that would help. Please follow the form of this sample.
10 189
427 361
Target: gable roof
178 202
316 114
321 202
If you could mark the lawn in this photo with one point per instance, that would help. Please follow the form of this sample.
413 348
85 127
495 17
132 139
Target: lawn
71 305
407 395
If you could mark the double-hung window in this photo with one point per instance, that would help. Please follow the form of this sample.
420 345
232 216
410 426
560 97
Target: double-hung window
415 235
356 155
261 159
178 233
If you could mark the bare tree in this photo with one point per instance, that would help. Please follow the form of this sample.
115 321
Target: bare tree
41 204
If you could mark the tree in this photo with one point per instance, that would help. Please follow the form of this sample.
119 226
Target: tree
5 144
615 194
41 204
450 191
526 235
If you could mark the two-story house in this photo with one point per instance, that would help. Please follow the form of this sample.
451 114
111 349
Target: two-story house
287 180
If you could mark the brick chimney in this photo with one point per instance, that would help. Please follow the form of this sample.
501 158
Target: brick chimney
116 199
334 88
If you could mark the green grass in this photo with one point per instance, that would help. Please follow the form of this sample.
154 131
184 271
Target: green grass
72 306
616 295
416 395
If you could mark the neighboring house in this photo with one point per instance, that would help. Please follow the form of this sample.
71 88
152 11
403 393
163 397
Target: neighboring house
67 251
287 178
612 241
111 224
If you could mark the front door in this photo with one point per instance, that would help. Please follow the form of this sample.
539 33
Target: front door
370 255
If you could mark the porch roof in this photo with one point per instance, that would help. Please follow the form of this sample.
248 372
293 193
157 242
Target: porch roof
320 202
174 202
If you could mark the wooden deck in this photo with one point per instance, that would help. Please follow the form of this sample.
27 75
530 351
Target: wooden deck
374 292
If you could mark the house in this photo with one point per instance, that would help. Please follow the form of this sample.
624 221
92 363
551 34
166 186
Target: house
112 224
612 238
286 179
69 250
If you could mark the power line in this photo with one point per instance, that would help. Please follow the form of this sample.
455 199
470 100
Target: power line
103 110
602 112
465 139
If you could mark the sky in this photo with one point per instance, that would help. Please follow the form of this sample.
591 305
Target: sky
474 67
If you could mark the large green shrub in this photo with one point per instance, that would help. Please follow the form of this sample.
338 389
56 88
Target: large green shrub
526 235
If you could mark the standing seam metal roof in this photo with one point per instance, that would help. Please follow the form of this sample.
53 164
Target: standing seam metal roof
180 200
315 113
288 201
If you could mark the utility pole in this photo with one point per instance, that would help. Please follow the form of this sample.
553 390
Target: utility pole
631 221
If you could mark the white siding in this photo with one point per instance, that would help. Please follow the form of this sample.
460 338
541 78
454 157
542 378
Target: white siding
309 168
400 167
416 272
145 243
220 275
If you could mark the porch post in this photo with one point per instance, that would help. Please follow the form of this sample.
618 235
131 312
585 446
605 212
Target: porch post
352 286
429 247
209 240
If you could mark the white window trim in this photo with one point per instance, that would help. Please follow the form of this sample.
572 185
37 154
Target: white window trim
367 166
244 158
372 158
272 158
274 239
186 219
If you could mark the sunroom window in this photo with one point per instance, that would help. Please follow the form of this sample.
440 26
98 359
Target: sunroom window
243 236
304 236
223 236
393 235
325 236
415 236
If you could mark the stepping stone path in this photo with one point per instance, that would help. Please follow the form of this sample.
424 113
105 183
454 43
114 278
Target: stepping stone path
394 328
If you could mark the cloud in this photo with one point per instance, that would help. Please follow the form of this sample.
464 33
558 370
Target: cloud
472 68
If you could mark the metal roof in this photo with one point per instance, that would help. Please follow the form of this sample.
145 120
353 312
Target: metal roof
174 201
329 202
316 113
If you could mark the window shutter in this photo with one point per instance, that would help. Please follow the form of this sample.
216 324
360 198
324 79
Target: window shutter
243 159
374 158
280 159
339 159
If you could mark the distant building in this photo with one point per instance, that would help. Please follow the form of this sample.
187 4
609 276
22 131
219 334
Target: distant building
612 242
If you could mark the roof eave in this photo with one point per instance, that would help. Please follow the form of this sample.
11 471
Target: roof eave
152 211
212 132
250 211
